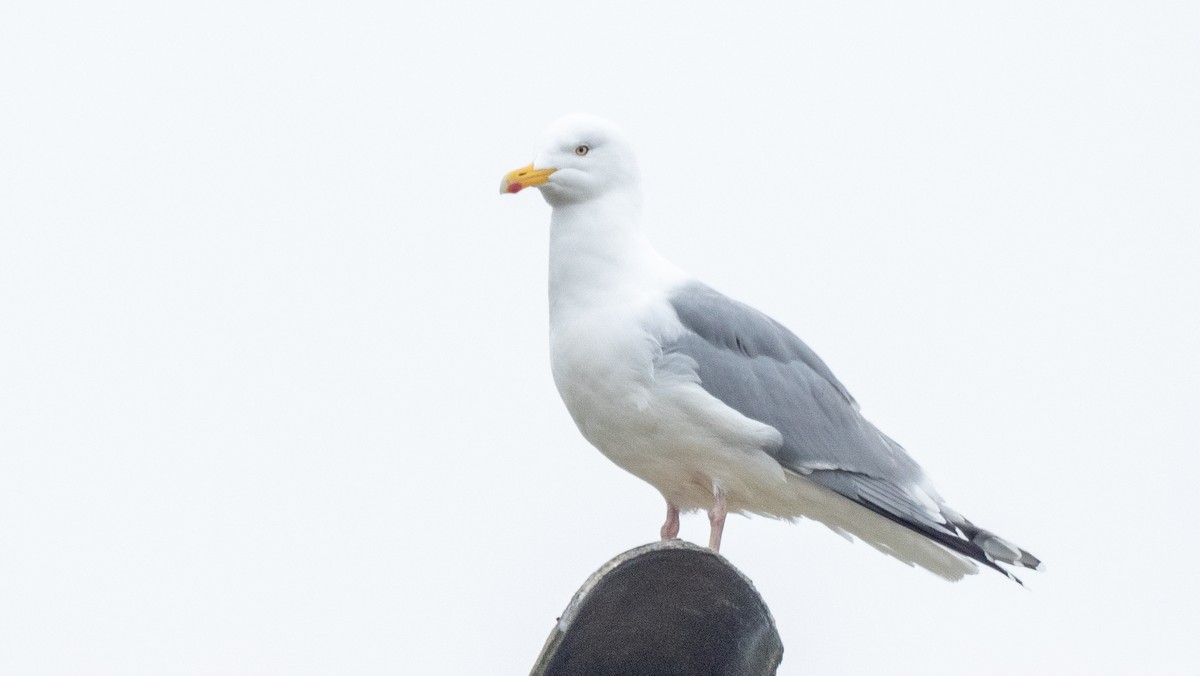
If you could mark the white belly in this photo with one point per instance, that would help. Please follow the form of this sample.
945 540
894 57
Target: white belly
660 427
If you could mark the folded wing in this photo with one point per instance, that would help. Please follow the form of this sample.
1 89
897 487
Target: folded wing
759 368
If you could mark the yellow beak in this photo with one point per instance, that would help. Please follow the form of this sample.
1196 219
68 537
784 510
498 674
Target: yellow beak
525 177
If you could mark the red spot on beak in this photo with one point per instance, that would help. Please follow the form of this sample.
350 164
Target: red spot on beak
515 187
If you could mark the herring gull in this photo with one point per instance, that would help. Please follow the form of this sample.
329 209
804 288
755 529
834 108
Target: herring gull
713 403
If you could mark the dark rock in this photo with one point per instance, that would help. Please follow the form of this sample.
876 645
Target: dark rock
664 609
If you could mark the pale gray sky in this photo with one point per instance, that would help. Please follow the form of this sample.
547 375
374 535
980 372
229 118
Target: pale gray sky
274 385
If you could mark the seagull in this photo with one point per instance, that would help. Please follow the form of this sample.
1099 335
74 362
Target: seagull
711 402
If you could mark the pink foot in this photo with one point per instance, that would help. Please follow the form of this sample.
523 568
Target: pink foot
716 519
670 529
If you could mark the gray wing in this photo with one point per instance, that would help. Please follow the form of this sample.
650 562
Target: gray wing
759 368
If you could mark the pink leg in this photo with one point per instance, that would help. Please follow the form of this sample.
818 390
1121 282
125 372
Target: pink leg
716 519
670 529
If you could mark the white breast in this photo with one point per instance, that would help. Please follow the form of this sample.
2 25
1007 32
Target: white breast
609 318
658 425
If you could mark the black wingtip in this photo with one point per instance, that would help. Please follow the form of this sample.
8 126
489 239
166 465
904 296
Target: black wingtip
968 546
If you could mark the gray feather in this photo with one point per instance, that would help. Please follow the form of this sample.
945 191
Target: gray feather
759 368
735 326
762 370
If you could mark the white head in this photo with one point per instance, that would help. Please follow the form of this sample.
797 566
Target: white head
578 158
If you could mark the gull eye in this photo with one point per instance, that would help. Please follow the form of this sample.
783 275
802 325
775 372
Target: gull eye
582 150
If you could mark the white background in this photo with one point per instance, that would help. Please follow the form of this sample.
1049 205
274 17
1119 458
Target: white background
274 386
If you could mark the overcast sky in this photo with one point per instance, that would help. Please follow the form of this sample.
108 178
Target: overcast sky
274 386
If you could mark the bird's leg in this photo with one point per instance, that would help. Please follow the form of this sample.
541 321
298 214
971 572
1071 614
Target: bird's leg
716 519
670 529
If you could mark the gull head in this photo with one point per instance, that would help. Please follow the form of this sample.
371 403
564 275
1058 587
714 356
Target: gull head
578 158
